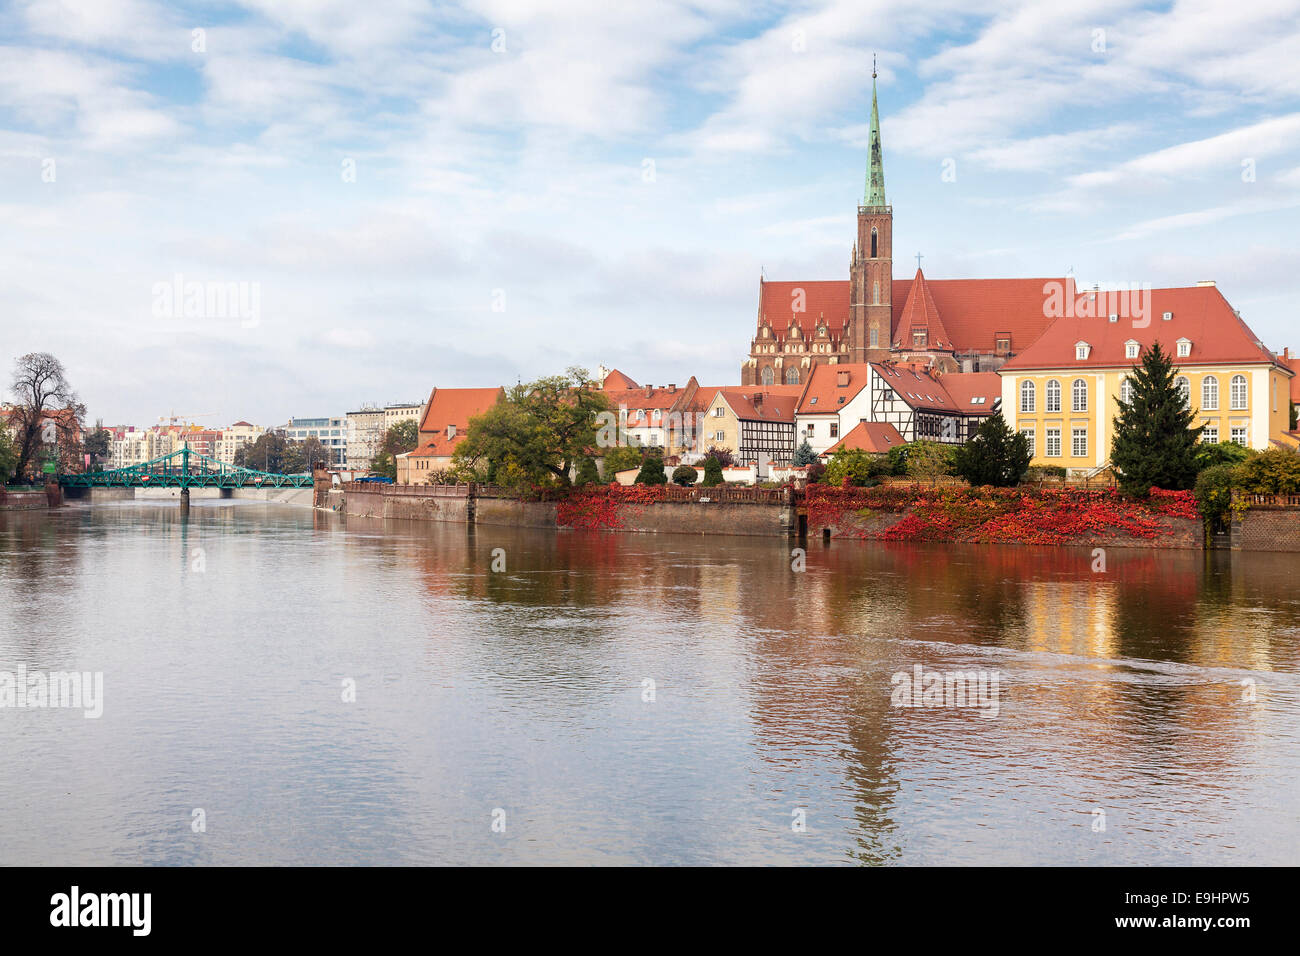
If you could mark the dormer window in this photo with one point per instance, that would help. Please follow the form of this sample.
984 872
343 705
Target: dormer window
1131 349
918 337
1082 350
1184 348
1114 316
1003 345
1167 316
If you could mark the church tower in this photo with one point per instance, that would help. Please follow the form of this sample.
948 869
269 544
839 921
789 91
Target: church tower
871 273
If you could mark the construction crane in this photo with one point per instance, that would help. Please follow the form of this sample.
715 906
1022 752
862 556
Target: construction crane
172 419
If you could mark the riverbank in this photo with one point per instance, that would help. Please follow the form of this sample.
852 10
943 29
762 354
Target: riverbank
916 513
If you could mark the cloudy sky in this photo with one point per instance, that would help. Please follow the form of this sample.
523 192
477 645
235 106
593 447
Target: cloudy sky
473 193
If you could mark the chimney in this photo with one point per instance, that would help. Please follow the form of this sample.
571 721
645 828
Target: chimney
649 390
757 399
1205 284
841 379
672 388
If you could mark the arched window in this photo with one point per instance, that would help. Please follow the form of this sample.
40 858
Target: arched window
1126 390
875 337
1026 397
768 377
1079 396
1184 389
873 242
1209 394
875 293
792 376
1053 396
1237 392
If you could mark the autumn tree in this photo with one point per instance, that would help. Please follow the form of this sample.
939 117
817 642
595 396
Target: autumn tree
47 412
538 432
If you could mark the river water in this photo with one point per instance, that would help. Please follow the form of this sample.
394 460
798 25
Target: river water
285 687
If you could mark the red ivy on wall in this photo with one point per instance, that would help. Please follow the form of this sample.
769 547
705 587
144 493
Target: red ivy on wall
1014 515
600 507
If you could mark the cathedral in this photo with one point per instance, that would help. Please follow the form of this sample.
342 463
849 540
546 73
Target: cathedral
947 325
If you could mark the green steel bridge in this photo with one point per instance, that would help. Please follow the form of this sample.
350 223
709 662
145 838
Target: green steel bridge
184 469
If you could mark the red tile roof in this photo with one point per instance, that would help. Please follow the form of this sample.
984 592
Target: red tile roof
772 403
974 312
452 406
920 314
617 380
822 392
1200 314
969 393
873 437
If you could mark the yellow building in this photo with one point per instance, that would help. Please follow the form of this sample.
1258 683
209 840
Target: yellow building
1062 392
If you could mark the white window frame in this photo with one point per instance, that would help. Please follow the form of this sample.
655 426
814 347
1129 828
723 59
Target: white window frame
1240 435
1052 402
1052 438
1209 394
1078 404
1028 397
1238 393
1078 436
1030 434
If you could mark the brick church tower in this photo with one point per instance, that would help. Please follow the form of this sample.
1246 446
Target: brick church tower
871 271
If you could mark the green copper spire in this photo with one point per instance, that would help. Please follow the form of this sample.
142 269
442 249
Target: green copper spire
875 194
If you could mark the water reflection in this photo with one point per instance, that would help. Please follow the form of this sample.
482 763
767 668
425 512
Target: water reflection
225 637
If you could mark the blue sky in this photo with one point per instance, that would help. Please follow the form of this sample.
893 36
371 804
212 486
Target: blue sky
539 185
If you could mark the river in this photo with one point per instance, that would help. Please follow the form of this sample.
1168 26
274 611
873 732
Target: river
288 687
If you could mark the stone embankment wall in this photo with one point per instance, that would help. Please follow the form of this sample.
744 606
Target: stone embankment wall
1269 523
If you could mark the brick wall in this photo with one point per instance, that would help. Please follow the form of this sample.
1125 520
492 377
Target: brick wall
1265 528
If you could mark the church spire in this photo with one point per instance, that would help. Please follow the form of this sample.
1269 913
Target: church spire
875 192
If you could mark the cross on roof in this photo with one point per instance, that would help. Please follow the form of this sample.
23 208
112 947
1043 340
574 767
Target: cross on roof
919 257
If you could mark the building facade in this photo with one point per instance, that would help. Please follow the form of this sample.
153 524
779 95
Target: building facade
1063 392
330 432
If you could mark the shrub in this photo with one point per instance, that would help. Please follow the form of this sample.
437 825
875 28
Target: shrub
712 472
724 456
1225 453
1272 472
587 472
684 475
652 470
1214 493
855 465
815 472
929 460
622 458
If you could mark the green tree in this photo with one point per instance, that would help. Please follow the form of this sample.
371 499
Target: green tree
398 440
929 460
1214 493
994 455
804 455
712 473
1155 444
621 458
538 431
684 475
652 469
588 474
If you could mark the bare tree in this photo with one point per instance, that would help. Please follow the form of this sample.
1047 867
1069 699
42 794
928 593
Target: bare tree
47 408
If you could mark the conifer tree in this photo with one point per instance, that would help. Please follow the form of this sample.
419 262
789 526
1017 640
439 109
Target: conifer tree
1155 442
804 455
995 456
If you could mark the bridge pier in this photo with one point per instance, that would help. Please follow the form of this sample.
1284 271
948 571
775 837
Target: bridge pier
185 501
